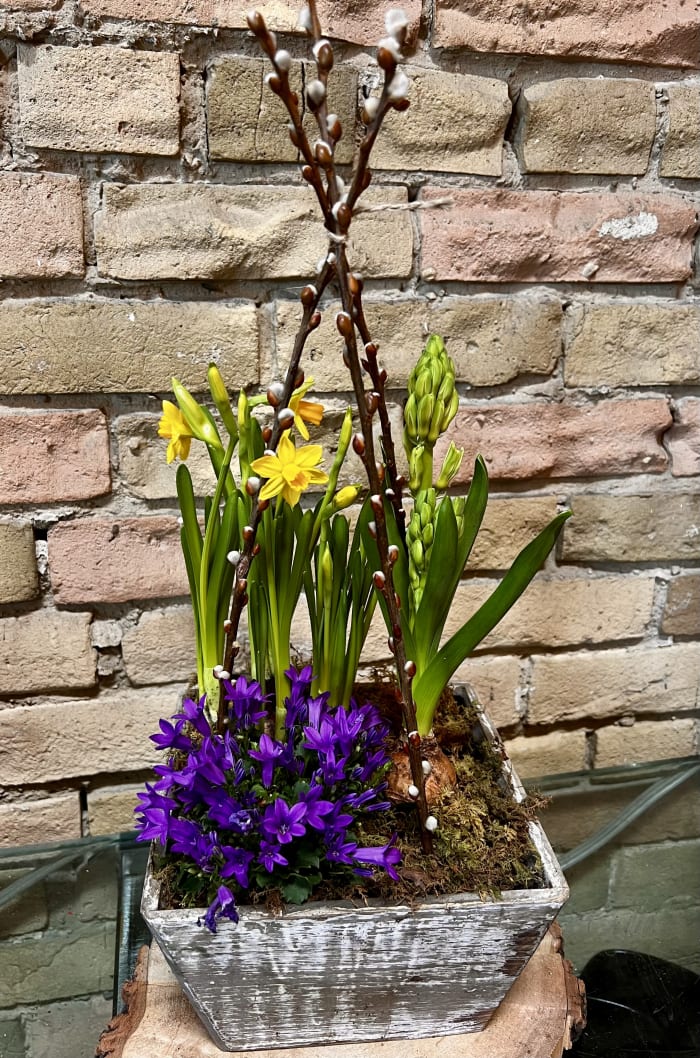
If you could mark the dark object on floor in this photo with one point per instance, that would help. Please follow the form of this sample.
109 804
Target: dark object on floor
639 1007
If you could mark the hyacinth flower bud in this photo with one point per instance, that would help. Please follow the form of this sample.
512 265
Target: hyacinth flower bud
221 399
450 465
432 397
195 416
415 468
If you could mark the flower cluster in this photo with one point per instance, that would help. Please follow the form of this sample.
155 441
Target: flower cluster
244 810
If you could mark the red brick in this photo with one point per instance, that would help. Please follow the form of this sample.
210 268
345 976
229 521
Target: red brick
525 236
41 225
666 34
116 560
560 440
344 19
48 457
683 439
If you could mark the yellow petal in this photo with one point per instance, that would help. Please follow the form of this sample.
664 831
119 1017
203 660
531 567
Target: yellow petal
271 488
311 412
309 456
286 451
316 477
266 466
299 423
291 495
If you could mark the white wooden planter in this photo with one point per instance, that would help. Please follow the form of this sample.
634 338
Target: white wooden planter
333 972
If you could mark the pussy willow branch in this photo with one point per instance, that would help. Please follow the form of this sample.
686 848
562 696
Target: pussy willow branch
338 216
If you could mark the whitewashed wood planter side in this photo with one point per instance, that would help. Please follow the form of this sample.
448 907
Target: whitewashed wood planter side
337 973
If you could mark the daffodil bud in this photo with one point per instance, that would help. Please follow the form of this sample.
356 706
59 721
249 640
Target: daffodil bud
195 416
345 497
221 399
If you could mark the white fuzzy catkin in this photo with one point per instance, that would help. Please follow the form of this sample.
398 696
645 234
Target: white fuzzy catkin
316 92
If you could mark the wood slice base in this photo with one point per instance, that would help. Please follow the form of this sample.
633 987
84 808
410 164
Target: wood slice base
539 1018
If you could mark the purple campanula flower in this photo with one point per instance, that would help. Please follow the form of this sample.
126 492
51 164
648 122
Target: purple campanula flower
282 822
171 736
222 906
316 808
230 814
341 851
248 704
156 815
386 856
236 864
193 713
268 753
270 856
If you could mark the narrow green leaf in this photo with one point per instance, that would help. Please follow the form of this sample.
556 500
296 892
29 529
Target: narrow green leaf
188 509
429 684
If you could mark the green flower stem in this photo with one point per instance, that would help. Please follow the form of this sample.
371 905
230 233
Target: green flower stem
279 640
427 466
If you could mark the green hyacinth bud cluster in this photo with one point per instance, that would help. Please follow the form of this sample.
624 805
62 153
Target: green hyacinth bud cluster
419 541
430 408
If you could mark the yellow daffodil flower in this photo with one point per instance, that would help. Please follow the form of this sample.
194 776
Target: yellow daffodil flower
173 426
305 410
290 471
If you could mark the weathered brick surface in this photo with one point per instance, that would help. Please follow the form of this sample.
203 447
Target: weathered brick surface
30 966
161 647
508 525
645 740
561 440
681 151
587 125
661 866
633 343
497 684
111 809
66 1029
247 121
457 124
142 463
89 736
46 651
106 345
681 615
683 439
99 99
593 684
26 822
668 933
553 612
491 340
363 24
217 231
18 572
526 236
53 456
559 751
635 32
41 226
116 560
661 526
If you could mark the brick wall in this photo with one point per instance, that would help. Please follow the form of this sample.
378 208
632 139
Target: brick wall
152 219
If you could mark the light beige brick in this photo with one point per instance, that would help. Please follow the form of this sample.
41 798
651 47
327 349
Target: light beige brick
633 343
107 734
99 99
142 460
41 226
508 526
537 440
680 156
496 681
576 29
645 740
109 345
456 125
50 457
683 439
681 615
161 647
553 612
18 573
594 684
246 121
116 560
46 651
217 231
552 754
587 125
111 809
662 866
25 822
534 236
363 24
660 526
491 340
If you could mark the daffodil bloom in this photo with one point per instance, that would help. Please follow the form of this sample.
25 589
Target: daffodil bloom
305 410
290 471
173 426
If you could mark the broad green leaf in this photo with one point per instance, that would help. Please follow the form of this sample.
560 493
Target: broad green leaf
429 684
